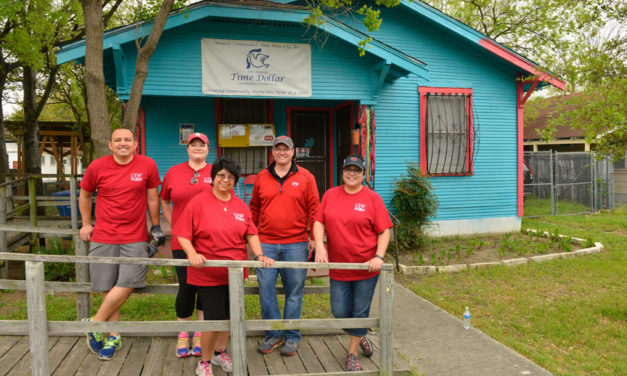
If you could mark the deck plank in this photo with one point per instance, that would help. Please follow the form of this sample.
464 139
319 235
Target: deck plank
60 350
399 363
14 355
6 343
113 366
294 364
328 361
173 366
274 362
22 368
367 364
73 359
309 359
136 357
155 359
90 366
334 343
256 363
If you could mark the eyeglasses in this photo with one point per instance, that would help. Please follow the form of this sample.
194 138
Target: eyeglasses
282 150
195 178
223 176
352 170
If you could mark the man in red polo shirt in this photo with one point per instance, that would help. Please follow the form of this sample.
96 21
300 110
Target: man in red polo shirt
284 201
127 185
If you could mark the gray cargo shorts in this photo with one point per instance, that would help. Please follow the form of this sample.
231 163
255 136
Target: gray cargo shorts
105 276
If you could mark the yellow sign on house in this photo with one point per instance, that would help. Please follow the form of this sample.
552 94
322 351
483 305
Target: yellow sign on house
243 135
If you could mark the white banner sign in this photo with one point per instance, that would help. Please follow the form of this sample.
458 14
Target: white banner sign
255 68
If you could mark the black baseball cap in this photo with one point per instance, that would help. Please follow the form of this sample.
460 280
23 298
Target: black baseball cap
354 160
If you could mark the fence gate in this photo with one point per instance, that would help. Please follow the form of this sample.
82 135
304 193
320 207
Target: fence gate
566 183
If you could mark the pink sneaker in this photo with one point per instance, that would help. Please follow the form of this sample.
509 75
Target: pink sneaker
196 350
203 369
182 346
223 361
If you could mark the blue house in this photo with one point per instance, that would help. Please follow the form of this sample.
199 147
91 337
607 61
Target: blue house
429 89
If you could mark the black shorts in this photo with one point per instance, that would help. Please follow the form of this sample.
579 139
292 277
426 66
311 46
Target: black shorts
214 301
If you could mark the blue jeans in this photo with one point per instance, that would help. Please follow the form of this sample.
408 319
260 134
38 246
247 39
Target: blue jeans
351 299
293 281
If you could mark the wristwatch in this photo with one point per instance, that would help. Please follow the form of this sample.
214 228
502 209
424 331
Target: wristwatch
381 257
256 258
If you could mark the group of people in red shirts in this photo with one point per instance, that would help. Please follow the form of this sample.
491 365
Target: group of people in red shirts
284 222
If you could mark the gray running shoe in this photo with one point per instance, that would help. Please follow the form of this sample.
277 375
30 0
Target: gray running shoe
289 348
269 344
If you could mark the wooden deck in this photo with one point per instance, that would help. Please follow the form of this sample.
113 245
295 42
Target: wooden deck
155 356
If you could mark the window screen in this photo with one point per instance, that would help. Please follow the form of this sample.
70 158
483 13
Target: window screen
448 128
246 111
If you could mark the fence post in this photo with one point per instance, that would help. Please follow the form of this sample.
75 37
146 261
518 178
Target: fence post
4 273
10 202
386 317
83 303
593 182
37 324
553 199
238 320
32 206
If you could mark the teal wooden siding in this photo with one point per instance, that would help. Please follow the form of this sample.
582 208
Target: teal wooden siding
175 67
340 74
163 116
453 62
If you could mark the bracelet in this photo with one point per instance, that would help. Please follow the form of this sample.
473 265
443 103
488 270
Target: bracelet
380 257
257 257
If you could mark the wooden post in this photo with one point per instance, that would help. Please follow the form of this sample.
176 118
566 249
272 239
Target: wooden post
386 317
37 324
4 272
83 303
32 201
238 321
10 202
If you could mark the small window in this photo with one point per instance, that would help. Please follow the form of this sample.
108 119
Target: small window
447 132
251 159
246 111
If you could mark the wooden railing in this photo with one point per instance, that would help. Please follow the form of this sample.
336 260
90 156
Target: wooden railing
39 328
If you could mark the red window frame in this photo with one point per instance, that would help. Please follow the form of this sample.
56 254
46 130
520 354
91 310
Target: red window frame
423 92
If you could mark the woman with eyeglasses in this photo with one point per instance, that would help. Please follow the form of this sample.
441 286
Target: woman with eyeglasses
358 225
217 225
182 182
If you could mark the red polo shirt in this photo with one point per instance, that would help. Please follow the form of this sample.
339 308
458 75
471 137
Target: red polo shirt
217 231
353 223
121 200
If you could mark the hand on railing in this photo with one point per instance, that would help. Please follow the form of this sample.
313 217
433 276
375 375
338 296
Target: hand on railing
197 260
375 264
321 253
85 233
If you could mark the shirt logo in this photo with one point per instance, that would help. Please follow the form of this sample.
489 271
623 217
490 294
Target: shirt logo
238 217
360 207
294 184
207 179
137 176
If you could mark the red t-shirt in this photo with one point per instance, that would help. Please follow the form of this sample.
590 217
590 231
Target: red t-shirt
353 223
216 234
284 214
121 198
177 187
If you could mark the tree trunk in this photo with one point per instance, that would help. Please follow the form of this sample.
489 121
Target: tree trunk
94 77
141 66
32 160
4 158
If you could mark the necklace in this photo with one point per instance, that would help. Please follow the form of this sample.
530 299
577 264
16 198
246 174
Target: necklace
223 203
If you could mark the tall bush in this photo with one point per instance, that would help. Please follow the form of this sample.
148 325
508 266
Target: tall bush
415 205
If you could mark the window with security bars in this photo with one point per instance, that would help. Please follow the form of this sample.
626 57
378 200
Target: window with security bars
446 123
246 111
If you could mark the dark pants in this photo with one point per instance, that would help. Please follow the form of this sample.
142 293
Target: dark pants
186 298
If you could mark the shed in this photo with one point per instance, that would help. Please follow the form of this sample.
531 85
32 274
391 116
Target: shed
429 90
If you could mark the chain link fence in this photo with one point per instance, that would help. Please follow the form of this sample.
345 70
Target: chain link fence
566 183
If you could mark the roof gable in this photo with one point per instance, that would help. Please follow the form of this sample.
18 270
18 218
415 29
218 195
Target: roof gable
402 63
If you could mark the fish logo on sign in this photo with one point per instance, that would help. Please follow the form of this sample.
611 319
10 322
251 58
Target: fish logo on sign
256 59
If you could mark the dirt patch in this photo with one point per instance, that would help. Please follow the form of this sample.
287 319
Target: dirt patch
486 248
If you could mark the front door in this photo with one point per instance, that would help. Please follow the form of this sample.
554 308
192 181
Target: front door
309 131
344 126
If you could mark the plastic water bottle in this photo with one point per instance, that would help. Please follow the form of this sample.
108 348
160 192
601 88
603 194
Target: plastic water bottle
467 319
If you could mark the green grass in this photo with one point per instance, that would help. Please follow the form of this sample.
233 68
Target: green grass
540 207
568 316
